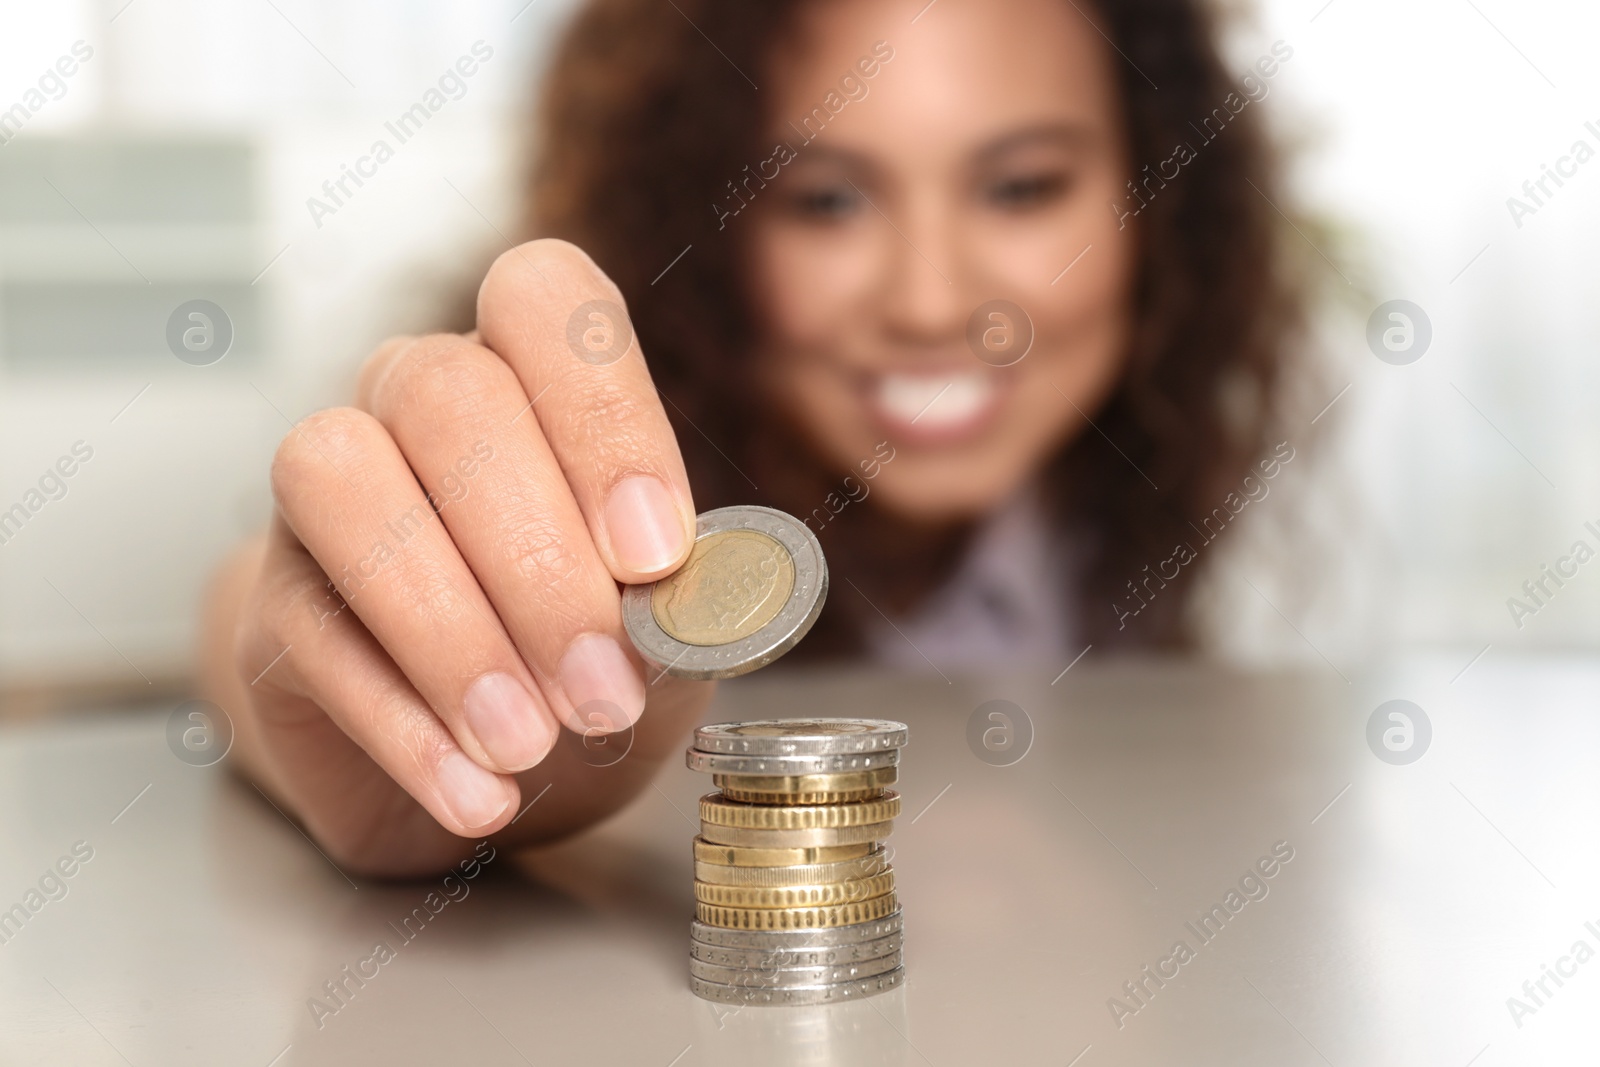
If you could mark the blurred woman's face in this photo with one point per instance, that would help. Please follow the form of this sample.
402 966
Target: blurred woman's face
975 163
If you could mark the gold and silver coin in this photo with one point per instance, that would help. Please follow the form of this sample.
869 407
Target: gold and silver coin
797 918
809 837
806 788
774 977
753 584
750 993
784 788
802 940
735 856
804 956
872 863
714 809
795 898
789 766
801 737
849 891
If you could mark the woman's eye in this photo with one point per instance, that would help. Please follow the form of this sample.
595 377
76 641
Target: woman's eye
826 203
1028 191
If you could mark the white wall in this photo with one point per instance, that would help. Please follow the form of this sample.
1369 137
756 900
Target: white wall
1476 464
181 475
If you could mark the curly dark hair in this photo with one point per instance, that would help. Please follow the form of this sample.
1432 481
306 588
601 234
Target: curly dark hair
642 125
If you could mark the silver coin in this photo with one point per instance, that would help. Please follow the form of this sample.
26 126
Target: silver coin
801 737
808 837
748 958
748 593
816 994
874 862
722 763
771 976
825 937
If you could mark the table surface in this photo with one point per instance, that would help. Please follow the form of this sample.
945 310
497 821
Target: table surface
1419 897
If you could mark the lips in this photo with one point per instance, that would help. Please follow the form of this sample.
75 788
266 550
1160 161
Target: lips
933 405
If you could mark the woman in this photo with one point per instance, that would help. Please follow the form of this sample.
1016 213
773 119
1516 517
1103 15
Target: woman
923 274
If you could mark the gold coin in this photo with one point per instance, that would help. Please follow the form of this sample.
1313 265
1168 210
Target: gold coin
795 874
749 786
744 856
806 837
714 808
795 896
733 584
862 911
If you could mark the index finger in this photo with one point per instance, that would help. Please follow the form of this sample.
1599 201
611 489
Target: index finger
559 322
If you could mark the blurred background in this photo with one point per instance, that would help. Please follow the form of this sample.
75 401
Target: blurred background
177 160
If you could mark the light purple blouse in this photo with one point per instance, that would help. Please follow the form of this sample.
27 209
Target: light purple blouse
1003 606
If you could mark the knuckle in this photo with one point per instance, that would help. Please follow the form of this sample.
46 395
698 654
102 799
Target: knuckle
320 446
445 376
617 423
560 269
259 641
382 357
437 595
542 553
607 407
271 620
431 746
431 590
287 605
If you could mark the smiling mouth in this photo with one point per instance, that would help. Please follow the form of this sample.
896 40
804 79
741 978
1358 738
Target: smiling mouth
933 405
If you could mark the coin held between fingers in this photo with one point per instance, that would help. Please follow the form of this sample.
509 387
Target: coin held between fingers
753 584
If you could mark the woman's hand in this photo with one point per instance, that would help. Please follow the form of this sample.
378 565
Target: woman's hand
437 596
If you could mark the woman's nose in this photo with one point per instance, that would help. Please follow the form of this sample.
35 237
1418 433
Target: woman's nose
923 300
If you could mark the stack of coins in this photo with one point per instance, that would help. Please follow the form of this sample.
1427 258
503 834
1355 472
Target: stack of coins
795 900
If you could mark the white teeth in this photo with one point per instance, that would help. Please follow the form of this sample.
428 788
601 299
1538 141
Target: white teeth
933 400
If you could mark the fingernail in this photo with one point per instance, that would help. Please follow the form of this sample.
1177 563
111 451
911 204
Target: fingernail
599 679
507 721
644 525
473 795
